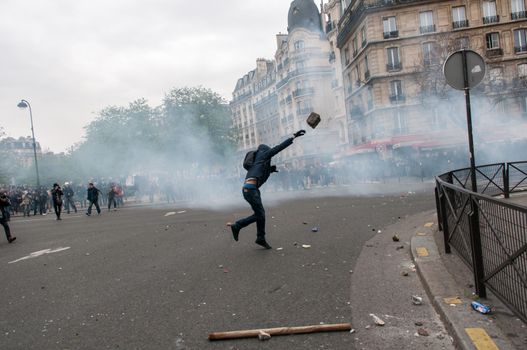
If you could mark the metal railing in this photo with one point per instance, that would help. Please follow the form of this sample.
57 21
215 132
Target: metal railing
489 234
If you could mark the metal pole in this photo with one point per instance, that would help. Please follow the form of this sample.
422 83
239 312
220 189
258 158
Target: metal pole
475 233
34 142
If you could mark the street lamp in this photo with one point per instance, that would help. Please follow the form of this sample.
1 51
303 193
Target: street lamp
24 104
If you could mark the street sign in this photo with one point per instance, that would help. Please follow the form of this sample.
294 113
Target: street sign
454 71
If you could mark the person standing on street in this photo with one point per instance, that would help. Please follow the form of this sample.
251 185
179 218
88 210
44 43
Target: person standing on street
93 198
4 203
111 197
69 194
257 174
56 198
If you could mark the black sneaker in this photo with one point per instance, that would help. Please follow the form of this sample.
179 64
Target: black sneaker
263 243
235 232
11 239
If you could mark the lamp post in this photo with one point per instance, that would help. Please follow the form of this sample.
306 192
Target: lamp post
24 104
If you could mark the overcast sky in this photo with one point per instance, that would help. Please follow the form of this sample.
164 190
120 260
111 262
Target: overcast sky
71 58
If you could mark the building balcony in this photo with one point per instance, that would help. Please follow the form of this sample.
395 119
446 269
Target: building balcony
520 49
392 67
518 15
460 24
491 19
367 75
391 35
330 26
395 99
493 53
427 29
303 92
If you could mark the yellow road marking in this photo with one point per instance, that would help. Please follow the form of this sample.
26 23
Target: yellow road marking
454 300
429 224
422 251
481 339
421 233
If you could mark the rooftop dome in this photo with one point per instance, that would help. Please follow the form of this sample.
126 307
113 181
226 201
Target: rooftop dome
303 14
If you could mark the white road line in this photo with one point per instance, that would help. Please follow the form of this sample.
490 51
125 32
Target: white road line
39 253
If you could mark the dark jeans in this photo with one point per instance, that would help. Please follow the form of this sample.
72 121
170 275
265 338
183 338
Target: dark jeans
57 207
252 196
3 222
96 203
70 201
110 201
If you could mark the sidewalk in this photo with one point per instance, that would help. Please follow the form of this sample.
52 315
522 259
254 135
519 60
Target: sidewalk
388 274
449 284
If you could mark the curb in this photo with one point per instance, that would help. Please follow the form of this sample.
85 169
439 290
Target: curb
457 315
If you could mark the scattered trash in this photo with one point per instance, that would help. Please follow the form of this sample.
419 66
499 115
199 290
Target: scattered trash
170 213
264 336
314 229
400 247
418 324
481 308
373 230
377 320
220 266
295 243
404 273
305 223
423 332
368 327
417 300
280 248
352 331
306 246
396 238
182 212
453 301
379 231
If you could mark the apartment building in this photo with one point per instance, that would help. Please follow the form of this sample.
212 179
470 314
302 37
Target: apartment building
392 53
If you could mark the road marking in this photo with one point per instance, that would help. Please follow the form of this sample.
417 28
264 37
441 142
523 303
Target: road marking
422 251
429 224
481 339
170 213
40 253
421 233
453 301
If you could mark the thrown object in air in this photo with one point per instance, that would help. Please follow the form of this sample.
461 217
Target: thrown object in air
313 120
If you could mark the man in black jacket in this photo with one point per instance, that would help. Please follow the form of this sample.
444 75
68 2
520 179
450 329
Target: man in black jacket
256 176
93 198
56 198
4 203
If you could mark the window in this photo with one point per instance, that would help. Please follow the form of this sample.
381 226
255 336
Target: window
299 45
520 40
489 12
366 68
363 36
426 22
390 28
522 70
393 59
459 20
518 9
396 89
493 41
354 46
346 56
429 54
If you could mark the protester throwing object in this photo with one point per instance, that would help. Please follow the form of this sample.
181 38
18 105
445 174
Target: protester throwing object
259 168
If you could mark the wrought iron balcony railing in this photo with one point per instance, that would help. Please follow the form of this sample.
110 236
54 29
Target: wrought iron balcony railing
390 67
493 53
518 15
522 48
367 75
427 29
460 24
391 35
400 98
491 19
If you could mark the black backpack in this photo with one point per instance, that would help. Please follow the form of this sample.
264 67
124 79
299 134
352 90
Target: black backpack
248 162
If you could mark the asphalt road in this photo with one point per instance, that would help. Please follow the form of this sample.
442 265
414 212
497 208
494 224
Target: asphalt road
137 279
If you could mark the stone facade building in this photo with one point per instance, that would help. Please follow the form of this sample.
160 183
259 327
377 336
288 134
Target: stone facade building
392 56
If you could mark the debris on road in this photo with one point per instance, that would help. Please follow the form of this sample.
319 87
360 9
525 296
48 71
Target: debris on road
306 246
417 300
377 320
305 223
396 238
423 332
400 247
252 333
181 211
314 229
404 273
481 308
280 248
170 213
418 324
